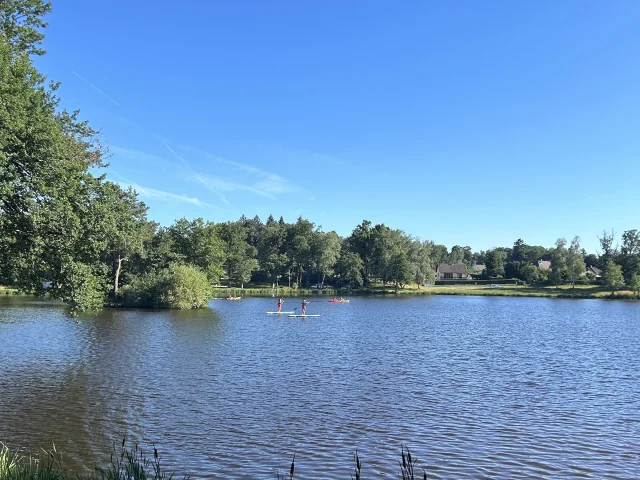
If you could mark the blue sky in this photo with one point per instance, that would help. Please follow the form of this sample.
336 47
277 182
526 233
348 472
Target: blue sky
472 123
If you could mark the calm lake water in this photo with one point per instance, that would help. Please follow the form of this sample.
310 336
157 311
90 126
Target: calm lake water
478 387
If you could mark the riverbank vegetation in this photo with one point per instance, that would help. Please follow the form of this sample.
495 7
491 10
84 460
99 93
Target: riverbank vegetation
131 463
67 232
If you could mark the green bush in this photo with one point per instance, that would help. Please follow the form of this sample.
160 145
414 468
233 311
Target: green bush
148 290
179 286
188 287
83 290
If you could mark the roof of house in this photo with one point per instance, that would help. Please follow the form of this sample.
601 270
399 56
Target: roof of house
594 270
448 268
478 268
544 264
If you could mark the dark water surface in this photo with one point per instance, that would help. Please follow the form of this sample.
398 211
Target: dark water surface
478 387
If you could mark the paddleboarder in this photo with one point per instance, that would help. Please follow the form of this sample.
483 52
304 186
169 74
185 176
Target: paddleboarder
280 302
304 305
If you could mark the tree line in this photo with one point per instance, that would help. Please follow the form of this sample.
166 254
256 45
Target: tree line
85 240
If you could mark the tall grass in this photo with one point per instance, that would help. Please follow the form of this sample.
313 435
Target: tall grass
407 467
125 464
132 464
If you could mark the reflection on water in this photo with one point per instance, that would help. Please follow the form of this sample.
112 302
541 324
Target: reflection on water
479 387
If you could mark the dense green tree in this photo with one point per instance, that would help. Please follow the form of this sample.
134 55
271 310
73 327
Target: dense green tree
362 244
349 269
198 243
240 256
635 285
559 261
21 22
325 251
382 251
187 287
399 271
612 275
118 219
272 249
575 261
495 262
299 242
629 257
591 260
422 270
47 194
439 255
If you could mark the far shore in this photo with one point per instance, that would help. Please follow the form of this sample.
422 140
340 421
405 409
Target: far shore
562 291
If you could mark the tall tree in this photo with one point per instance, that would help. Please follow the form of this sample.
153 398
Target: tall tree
325 251
349 269
399 271
613 276
575 261
47 192
629 257
198 243
272 249
240 256
559 256
608 247
361 243
495 262
21 22
635 285
422 270
121 221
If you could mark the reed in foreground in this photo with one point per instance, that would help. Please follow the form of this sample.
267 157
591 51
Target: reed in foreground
125 464
130 463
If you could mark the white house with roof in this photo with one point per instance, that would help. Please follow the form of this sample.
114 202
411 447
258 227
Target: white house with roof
446 271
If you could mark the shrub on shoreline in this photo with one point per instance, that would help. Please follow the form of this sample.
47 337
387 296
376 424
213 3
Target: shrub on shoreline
179 286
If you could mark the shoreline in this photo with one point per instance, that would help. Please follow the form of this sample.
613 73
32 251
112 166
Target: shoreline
562 292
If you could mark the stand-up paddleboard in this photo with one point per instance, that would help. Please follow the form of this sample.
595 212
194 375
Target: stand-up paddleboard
315 315
280 313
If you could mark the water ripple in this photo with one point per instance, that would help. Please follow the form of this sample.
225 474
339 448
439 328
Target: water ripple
478 387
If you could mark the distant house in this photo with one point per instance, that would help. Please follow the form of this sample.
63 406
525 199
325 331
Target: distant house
478 269
544 264
594 272
451 272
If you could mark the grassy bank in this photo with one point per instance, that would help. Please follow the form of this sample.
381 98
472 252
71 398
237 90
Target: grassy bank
133 464
8 290
562 291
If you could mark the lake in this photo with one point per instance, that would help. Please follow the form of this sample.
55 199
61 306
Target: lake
477 387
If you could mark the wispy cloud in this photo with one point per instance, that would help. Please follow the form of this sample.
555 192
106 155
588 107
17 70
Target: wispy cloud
137 155
97 90
264 183
195 174
147 192
227 185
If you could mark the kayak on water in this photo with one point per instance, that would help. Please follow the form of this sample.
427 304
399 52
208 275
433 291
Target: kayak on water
335 300
314 315
234 298
280 313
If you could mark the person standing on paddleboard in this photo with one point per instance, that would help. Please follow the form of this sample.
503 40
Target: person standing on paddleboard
280 302
304 306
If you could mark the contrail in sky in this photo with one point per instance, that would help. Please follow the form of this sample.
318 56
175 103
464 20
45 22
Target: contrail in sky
98 90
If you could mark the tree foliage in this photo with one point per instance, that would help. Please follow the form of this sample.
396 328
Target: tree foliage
613 276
